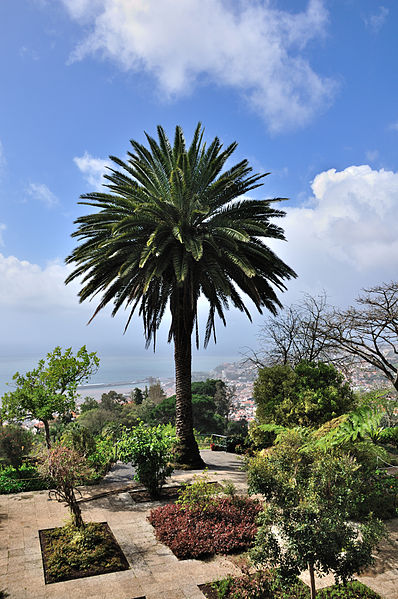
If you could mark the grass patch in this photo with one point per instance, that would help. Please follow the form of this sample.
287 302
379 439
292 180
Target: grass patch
70 553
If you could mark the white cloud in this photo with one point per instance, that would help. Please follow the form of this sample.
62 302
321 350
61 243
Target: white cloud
41 193
251 47
346 236
27 286
394 126
376 21
92 168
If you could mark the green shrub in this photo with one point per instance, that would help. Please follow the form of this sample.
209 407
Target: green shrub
149 450
78 438
260 585
26 478
199 494
310 494
103 456
389 435
264 584
352 590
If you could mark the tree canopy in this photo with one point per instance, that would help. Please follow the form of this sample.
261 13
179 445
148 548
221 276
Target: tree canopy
50 388
307 395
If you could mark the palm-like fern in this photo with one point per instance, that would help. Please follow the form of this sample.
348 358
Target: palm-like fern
174 226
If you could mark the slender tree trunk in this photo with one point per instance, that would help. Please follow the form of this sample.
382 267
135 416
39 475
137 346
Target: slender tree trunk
47 431
74 507
187 451
312 580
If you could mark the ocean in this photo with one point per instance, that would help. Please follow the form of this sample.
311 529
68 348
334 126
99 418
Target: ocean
115 371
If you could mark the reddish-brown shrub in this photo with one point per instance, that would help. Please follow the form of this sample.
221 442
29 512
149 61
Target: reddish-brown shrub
227 526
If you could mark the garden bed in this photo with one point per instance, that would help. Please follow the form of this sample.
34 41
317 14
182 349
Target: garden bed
226 525
68 553
262 585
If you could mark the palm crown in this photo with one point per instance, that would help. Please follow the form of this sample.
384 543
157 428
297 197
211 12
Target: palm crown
174 226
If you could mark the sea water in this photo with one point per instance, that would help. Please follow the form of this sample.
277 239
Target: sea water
116 370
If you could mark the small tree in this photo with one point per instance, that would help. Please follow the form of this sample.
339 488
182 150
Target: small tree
68 469
49 389
156 393
137 396
310 493
112 401
149 450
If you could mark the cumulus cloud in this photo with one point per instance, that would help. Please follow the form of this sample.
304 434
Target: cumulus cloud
27 286
41 193
394 126
92 168
251 47
376 21
346 235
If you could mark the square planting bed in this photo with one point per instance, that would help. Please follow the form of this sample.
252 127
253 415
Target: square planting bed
68 555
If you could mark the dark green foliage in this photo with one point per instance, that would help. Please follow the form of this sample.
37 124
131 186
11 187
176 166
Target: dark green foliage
264 584
137 396
71 551
219 391
389 436
79 438
89 403
15 444
26 478
260 585
351 590
103 456
205 419
95 420
112 401
307 395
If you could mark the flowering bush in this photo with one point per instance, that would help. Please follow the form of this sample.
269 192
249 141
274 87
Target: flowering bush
224 527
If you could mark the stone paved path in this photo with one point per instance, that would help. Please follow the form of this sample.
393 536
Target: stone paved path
154 571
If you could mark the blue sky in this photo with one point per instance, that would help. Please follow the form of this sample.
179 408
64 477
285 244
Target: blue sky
307 87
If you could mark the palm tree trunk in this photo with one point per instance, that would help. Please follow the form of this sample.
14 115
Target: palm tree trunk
187 450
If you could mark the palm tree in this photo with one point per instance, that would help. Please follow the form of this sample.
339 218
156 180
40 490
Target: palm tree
175 225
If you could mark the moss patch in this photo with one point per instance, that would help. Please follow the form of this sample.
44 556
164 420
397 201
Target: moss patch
70 553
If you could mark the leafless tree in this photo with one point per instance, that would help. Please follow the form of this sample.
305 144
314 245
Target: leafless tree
297 333
368 332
